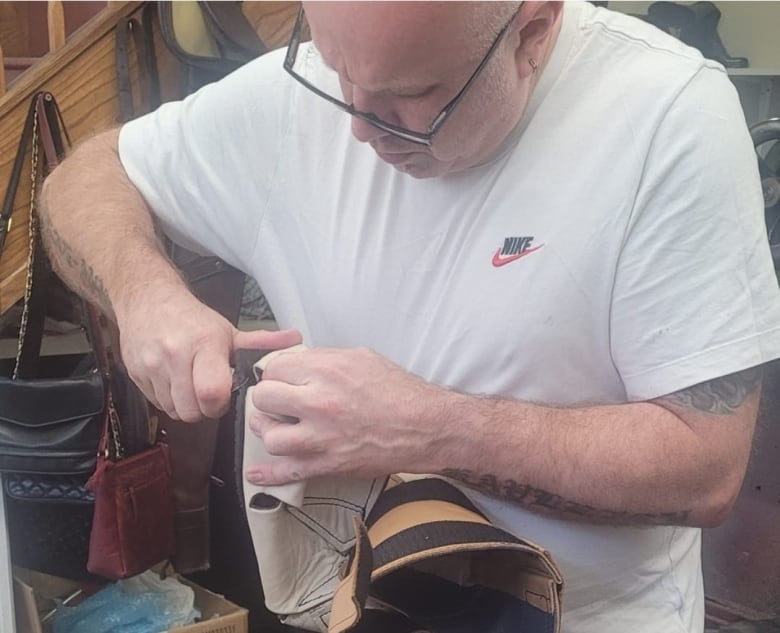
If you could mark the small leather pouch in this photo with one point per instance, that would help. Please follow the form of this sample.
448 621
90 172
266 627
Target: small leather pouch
133 524
132 529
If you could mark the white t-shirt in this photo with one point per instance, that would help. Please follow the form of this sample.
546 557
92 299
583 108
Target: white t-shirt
631 190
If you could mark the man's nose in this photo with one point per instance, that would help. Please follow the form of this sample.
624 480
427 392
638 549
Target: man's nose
364 132
365 102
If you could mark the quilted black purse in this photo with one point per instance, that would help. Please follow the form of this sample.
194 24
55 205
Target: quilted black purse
49 518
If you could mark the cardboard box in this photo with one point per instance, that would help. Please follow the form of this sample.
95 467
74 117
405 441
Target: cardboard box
34 593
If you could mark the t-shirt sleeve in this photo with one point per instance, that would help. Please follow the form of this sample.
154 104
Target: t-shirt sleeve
695 295
204 164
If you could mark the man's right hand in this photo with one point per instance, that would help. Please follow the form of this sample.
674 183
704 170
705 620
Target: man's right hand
101 240
178 350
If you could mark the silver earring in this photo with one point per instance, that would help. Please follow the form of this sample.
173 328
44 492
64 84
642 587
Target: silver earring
532 63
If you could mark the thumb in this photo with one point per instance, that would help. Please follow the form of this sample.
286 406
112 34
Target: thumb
265 339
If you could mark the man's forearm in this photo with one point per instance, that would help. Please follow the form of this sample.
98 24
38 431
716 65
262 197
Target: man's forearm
90 213
630 464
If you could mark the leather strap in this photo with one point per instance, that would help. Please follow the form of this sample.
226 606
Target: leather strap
52 136
39 270
16 172
154 98
147 68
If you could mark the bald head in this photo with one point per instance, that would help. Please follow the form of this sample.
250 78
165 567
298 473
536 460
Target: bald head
403 62
357 38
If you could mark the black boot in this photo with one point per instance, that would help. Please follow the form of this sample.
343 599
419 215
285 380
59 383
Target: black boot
671 17
703 34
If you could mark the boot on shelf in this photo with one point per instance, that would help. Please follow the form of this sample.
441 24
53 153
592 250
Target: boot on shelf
703 34
696 25
671 17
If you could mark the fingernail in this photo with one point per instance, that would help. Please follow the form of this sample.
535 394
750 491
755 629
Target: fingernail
254 477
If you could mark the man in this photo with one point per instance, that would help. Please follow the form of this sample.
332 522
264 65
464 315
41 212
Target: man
532 259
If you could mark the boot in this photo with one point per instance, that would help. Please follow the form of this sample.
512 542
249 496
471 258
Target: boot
191 448
671 18
703 34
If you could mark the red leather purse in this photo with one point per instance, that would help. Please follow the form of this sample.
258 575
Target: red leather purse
133 524
132 528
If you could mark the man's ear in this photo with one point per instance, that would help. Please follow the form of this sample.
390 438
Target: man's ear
536 22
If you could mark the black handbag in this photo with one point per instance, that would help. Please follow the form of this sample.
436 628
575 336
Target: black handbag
49 518
53 408
49 424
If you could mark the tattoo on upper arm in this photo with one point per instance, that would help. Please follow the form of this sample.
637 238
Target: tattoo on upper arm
722 395
543 502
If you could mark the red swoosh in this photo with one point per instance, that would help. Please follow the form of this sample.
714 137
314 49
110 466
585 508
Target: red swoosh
503 261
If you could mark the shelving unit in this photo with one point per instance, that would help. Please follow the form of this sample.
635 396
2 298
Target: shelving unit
759 91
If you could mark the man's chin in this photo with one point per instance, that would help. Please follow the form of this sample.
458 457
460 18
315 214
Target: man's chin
415 163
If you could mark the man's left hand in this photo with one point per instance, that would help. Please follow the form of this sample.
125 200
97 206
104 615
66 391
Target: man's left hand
359 415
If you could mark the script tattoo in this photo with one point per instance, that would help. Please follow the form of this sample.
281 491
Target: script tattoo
721 396
65 258
543 502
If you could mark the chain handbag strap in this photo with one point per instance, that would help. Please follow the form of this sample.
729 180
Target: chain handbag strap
43 132
110 445
46 132
116 429
33 241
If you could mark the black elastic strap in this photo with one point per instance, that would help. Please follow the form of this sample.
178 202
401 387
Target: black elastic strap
426 489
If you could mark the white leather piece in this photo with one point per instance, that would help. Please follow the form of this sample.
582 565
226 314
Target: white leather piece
291 494
303 542
255 453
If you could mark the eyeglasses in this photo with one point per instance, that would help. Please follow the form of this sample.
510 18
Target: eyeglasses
297 64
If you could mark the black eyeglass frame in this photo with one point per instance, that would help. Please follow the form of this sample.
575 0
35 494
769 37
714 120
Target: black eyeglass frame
421 138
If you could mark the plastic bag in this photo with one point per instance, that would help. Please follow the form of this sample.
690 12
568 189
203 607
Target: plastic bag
142 604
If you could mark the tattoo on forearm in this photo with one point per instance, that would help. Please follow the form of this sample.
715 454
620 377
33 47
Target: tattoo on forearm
721 396
544 502
64 257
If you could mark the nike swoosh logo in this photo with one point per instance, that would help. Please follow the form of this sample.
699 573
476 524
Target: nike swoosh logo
503 261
